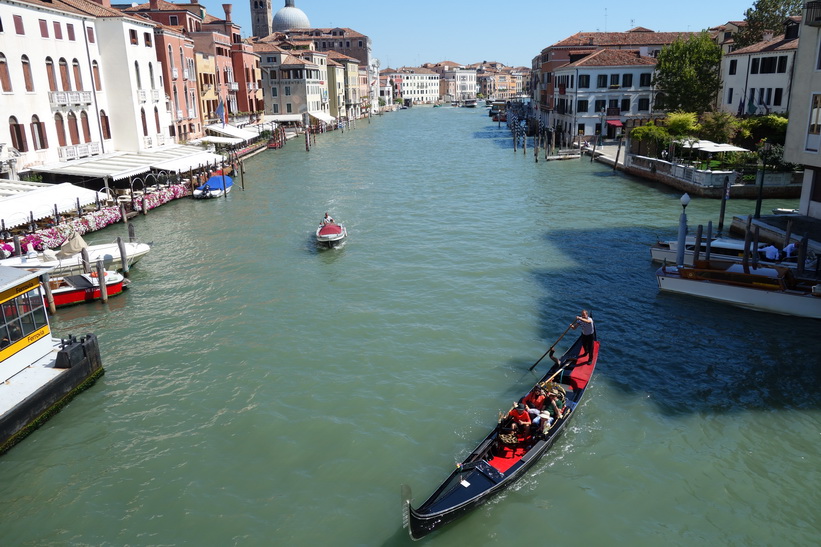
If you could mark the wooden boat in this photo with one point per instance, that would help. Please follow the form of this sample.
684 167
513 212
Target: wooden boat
215 187
76 289
330 234
501 458
723 251
774 289
69 259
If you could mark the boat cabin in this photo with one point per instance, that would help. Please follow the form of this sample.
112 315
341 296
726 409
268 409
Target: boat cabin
24 327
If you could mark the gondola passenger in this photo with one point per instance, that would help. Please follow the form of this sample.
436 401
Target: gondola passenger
521 421
535 402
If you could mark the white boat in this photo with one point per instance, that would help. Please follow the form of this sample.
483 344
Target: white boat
723 251
69 259
330 234
215 187
773 289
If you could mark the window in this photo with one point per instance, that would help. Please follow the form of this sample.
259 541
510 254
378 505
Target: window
276 109
95 73
23 315
755 65
5 78
581 129
733 67
38 133
61 129
288 108
43 28
73 129
625 105
78 77
627 80
58 30
90 34
600 105
287 90
27 73
730 96
86 128
584 81
70 31
644 104
104 124
147 40
782 64
64 77
274 92
132 35
814 129
145 122
18 135
173 20
137 73
52 77
768 65
157 120
777 96
18 25
614 80
581 105
601 81
645 79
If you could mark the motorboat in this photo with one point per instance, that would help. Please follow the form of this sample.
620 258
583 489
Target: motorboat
723 251
771 288
330 233
76 289
215 187
69 259
503 457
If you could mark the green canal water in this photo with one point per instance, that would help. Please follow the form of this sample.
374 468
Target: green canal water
260 391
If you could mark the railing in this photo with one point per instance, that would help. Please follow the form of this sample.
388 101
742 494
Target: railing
175 73
155 95
76 151
66 98
233 86
160 140
185 74
142 96
179 114
147 142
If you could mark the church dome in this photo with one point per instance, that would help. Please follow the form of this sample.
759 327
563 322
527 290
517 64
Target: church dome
289 17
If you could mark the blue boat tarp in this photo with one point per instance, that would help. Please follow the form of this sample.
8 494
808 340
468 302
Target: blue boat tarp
216 183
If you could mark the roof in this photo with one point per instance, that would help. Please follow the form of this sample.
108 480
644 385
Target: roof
634 38
613 57
779 43
19 203
84 7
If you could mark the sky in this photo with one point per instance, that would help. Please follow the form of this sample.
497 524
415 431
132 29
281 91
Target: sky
511 32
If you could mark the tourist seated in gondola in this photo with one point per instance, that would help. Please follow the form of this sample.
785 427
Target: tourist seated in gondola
554 408
535 402
520 419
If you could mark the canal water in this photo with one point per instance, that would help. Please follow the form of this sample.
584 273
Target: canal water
260 391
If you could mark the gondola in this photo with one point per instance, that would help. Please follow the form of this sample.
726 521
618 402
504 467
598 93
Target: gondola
502 458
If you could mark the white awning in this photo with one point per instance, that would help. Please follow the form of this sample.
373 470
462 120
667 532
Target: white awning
322 116
218 140
282 118
232 131
187 163
16 210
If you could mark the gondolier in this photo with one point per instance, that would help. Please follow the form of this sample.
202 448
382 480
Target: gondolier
586 323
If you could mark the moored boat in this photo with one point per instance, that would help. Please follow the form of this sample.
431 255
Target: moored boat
215 187
69 259
503 457
76 289
723 251
774 289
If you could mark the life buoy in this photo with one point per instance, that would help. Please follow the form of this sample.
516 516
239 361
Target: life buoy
94 274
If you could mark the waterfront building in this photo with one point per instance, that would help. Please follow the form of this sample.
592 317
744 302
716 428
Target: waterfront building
803 143
598 92
419 85
648 42
349 106
757 79
724 35
456 82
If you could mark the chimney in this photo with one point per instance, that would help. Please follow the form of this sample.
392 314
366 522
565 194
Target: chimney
154 5
105 3
768 35
227 8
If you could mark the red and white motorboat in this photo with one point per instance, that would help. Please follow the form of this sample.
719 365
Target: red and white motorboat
76 289
330 233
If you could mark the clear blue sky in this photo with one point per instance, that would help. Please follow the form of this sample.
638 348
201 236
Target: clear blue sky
508 31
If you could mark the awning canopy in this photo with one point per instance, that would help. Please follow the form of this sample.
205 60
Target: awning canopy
322 116
17 209
282 118
614 123
123 165
187 163
218 140
704 145
232 131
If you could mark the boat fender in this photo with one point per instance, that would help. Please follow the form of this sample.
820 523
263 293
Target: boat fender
94 274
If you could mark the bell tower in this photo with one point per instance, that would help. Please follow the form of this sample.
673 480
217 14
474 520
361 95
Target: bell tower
261 17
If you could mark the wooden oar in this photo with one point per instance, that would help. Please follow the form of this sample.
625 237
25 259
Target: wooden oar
553 346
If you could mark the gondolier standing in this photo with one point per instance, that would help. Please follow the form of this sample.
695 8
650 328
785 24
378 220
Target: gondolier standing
586 322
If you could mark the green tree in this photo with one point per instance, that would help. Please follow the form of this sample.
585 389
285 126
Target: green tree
651 139
766 15
688 74
718 127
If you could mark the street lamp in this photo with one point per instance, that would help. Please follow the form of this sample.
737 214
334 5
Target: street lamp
682 229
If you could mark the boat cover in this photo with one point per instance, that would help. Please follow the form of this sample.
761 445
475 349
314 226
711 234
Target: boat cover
215 183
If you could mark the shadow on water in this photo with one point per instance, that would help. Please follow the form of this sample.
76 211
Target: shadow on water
685 354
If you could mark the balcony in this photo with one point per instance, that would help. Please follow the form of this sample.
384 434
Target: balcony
160 139
148 142
77 151
174 73
186 75
179 114
68 98
233 86
142 96
155 95
251 86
